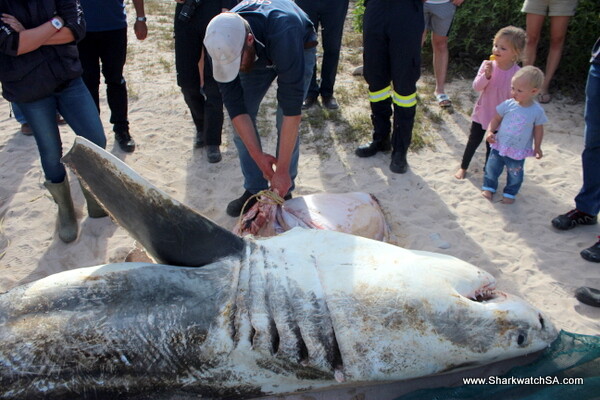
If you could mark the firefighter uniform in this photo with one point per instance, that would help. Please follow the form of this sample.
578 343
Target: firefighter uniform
392 31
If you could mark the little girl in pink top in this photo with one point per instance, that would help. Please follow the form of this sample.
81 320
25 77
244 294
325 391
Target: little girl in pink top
493 82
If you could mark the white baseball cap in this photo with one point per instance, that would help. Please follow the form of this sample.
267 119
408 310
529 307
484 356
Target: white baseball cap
224 41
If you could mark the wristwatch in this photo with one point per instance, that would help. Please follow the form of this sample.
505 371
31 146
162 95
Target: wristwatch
56 23
141 19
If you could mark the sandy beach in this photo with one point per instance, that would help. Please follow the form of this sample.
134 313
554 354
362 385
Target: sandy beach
426 208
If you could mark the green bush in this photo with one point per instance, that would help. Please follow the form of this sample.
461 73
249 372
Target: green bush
476 23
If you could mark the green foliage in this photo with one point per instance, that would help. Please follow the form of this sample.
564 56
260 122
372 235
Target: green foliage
476 23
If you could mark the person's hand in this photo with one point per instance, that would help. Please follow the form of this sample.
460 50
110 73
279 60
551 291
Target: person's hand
266 162
538 153
140 29
180 1
490 137
14 23
489 67
281 182
457 2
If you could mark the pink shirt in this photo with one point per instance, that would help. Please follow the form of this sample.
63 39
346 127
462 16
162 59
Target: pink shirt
493 92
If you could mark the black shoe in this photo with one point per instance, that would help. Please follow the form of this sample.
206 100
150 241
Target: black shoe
573 218
126 143
213 153
234 208
588 295
592 253
368 150
330 103
199 142
399 165
308 102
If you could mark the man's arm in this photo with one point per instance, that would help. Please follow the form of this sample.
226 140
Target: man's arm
244 127
281 182
139 28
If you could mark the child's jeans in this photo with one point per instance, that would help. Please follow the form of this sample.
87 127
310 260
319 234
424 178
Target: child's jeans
514 174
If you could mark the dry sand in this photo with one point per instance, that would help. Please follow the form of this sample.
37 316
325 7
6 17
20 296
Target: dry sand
515 243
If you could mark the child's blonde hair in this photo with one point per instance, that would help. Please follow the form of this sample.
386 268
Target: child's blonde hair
533 75
516 37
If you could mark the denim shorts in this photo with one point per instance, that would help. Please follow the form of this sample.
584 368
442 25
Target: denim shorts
552 8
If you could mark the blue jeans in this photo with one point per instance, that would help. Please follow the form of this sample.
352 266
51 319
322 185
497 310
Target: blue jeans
256 83
18 114
588 199
75 104
514 174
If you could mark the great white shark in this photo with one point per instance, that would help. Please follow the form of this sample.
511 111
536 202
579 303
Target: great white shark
231 317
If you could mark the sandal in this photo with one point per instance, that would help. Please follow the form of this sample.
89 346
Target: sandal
544 98
443 100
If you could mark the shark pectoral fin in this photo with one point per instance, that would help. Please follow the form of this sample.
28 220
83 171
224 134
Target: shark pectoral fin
170 231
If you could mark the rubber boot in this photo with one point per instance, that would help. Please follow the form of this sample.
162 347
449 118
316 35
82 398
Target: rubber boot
94 208
67 222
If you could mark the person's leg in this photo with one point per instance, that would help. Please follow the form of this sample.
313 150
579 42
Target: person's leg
332 17
493 169
405 60
588 199
514 179
558 32
376 61
440 62
113 54
89 56
312 9
41 114
256 83
77 107
475 137
534 23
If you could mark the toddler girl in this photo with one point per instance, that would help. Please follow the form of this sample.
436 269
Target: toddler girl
522 121
493 82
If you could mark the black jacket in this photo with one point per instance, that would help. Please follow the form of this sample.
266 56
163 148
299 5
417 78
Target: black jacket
39 73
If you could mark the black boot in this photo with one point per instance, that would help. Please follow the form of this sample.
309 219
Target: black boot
199 142
234 208
67 222
399 165
588 295
213 154
370 149
126 142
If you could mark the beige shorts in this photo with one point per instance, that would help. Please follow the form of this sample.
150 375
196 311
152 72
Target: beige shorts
552 8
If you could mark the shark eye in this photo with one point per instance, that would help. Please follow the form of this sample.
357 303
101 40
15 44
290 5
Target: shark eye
521 338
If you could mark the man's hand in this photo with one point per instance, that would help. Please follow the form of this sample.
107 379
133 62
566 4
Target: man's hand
281 182
266 162
13 22
140 29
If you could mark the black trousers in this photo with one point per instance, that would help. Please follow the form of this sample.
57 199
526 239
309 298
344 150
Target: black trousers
329 15
475 137
110 49
207 114
392 32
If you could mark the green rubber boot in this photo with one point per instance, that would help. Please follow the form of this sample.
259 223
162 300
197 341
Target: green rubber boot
95 210
67 222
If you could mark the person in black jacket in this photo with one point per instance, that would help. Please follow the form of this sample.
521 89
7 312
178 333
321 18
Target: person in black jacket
41 73
201 93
